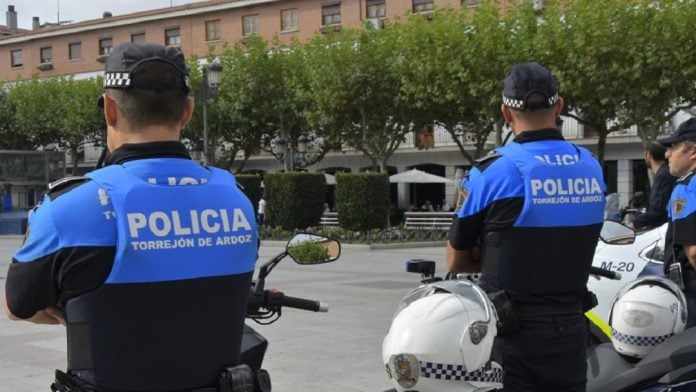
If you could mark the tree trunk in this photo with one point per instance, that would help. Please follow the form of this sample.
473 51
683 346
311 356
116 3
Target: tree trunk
73 157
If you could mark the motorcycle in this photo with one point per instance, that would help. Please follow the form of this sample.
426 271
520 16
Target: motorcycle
265 305
669 367
641 257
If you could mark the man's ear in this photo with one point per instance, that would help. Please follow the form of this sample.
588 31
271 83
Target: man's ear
507 115
110 109
188 112
558 109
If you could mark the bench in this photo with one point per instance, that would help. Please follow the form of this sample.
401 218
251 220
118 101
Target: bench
329 219
428 220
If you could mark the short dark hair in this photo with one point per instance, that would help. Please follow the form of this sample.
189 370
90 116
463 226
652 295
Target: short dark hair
535 98
656 151
143 108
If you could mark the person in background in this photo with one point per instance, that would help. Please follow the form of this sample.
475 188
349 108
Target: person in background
660 191
261 211
680 241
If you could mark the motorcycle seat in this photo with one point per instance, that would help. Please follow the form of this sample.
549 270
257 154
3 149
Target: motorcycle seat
607 371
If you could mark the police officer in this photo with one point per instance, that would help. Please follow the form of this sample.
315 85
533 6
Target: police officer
680 249
536 207
662 186
148 261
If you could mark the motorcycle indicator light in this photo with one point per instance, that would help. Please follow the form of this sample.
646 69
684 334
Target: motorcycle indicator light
405 369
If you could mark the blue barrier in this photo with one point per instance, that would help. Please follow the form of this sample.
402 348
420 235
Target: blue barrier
14 222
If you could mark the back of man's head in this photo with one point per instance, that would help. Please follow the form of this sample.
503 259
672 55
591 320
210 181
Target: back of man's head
149 84
531 93
656 151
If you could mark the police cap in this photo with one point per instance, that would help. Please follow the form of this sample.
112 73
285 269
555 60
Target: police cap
685 131
526 79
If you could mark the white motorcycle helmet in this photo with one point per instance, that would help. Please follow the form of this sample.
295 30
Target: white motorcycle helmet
441 339
645 313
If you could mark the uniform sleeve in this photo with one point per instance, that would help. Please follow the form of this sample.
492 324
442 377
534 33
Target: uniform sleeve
31 283
491 200
684 224
69 250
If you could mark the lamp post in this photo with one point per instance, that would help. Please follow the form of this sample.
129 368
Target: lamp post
211 82
286 153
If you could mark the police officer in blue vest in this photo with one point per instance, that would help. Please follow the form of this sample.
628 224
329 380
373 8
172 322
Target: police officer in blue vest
148 260
535 208
680 249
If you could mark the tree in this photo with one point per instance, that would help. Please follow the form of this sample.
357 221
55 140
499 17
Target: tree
11 136
356 93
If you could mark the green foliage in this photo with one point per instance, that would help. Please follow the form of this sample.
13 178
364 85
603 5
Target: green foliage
61 111
252 187
309 252
294 200
362 200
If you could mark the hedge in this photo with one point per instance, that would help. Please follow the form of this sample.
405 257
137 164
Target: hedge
362 200
294 200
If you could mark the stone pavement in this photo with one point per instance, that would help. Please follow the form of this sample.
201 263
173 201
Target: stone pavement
338 351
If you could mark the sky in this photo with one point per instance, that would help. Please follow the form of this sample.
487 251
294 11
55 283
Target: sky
78 10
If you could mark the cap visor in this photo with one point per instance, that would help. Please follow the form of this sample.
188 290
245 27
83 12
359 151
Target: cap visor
100 101
669 140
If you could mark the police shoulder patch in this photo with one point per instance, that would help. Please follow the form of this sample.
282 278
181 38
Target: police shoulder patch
678 206
65 184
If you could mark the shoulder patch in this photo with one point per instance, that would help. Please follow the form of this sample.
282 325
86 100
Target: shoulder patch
485 161
64 185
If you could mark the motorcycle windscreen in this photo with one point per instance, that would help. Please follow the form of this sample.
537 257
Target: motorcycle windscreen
465 290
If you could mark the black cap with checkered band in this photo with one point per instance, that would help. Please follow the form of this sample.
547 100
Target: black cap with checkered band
526 79
129 67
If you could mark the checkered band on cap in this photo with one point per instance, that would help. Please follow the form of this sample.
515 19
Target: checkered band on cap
116 80
520 103
639 340
441 371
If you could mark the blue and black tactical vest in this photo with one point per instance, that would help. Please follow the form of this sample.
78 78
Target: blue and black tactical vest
550 247
170 314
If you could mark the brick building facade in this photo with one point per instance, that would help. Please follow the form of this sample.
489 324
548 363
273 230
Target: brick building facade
82 47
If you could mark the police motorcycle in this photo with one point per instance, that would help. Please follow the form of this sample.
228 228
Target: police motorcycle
630 260
650 348
441 336
265 306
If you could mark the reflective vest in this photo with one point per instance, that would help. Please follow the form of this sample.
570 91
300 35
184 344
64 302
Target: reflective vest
170 314
550 247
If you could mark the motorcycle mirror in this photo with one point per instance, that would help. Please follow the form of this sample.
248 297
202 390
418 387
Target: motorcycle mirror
617 234
307 248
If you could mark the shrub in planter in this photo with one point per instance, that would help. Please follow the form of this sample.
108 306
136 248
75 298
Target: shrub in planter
362 200
294 200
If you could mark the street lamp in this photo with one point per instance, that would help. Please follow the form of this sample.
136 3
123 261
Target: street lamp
308 150
211 81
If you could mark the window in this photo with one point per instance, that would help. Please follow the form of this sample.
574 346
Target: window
46 54
376 9
289 20
105 46
212 30
75 51
422 5
251 25
172 37
331 14
138 38
16 58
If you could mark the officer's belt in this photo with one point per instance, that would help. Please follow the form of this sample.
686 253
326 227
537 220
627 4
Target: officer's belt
546 309
67 382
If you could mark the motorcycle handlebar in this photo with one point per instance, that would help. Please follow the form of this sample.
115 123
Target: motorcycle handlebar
304 304
613 275
275 300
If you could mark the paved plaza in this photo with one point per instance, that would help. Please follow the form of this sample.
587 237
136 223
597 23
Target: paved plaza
310 352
